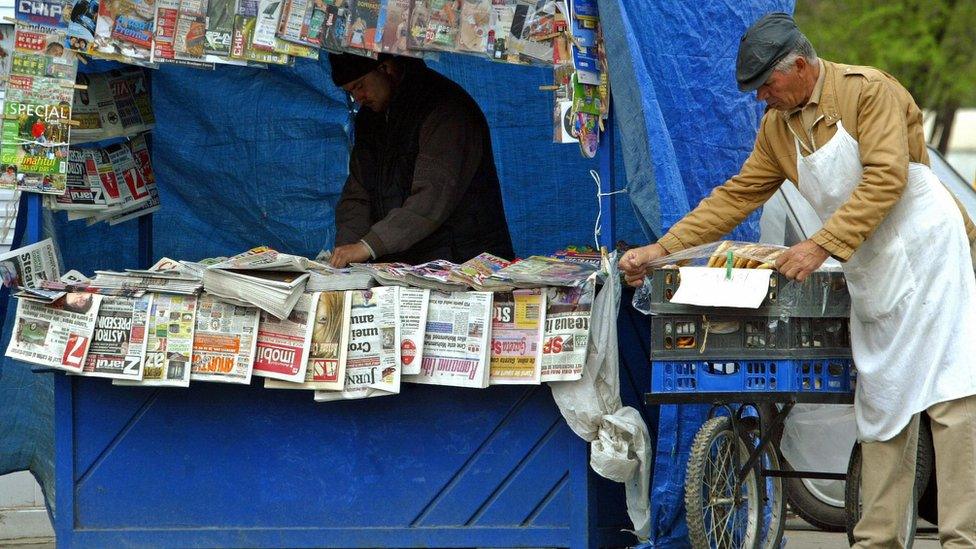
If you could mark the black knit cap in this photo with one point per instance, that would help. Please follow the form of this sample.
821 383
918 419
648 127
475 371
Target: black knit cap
347 67
762 46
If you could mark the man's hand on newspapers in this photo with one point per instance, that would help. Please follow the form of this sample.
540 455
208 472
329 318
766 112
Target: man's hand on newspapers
634 262
800 260
342 256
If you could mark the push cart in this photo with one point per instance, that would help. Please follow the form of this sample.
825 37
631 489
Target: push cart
752 367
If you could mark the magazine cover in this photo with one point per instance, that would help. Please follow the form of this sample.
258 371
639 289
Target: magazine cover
443 24
80 16
475 22
334 28
118 345
363 18
396 27
123 30
34 137
220 27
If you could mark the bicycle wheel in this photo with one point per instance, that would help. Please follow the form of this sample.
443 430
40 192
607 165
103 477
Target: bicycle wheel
773 492
719 517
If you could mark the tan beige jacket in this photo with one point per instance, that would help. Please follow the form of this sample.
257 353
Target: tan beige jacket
876 110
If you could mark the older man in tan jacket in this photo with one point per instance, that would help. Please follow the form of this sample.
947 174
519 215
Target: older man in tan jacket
851 138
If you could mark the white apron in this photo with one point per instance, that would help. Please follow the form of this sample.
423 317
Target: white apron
913 294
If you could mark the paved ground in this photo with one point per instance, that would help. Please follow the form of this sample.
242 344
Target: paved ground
799 535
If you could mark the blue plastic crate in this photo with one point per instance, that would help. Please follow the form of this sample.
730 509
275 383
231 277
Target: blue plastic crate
819 375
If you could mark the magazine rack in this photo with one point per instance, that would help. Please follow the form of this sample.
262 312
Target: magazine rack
244 466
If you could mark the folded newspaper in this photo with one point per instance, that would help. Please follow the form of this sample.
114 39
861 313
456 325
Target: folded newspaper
29 265
476 273
169 282
435 275
260 277
538 271
325 278
58 335
385 274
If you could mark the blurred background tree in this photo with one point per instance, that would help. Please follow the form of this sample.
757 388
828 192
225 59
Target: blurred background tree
928 45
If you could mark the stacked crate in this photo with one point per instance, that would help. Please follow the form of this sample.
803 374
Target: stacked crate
797 340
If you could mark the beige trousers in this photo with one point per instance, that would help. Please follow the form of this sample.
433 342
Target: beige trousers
888 474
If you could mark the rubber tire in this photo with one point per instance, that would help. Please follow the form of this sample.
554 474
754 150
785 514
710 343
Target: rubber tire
816 512
777 507
693 484
924 461
928 505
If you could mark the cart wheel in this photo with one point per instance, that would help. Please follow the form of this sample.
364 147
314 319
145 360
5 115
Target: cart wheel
924 460
774 494
717 517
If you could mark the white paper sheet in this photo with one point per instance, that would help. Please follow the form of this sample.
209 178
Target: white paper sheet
709 287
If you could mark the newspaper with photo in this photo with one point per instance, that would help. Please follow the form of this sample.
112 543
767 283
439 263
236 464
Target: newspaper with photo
567 332
373 357
284 344
224 341
28 265
537 271
56 335
456 340
169 343
413 325
516 337
327 354
118 346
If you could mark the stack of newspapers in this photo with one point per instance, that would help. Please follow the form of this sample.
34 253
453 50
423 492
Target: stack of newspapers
172 282
260 277
325 278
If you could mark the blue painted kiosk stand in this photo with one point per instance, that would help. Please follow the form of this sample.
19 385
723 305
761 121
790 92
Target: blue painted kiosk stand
232 466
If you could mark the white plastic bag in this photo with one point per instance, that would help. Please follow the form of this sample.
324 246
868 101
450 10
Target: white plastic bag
620 446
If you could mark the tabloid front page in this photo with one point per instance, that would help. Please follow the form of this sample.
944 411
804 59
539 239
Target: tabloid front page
58 335
373 359
119 343
516 337
224 341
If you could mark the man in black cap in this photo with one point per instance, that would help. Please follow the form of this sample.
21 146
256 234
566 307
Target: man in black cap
422 183
851 139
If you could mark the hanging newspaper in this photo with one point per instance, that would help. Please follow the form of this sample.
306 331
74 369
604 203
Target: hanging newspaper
119 343
29 265
283 344
373 359
169 345
413 324
327 355
224 341
567 332
57 335
456 349
516 337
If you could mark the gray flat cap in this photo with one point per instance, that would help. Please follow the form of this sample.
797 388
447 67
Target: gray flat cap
762 46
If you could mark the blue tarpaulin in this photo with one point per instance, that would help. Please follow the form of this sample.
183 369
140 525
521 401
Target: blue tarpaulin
246 157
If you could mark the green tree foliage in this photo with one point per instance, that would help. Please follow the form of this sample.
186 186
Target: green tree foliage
929 45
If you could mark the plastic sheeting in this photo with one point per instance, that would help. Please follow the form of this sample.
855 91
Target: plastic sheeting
620 446
685 128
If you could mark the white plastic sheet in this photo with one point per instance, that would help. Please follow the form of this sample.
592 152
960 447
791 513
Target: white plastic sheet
620 446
